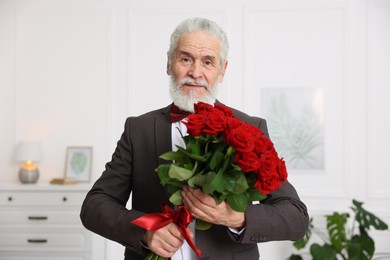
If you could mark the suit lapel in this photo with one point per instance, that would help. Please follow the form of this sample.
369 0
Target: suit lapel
162 133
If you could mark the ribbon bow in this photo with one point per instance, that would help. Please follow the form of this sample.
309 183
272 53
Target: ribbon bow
181 217
176 114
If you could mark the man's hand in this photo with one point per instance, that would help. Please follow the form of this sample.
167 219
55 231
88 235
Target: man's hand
204 207
165 241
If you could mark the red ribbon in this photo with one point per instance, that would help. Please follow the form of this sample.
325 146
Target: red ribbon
181 217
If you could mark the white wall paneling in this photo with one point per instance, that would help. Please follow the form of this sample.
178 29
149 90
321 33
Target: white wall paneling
63 82
378 93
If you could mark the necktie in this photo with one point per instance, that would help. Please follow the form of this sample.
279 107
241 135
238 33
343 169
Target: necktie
176 114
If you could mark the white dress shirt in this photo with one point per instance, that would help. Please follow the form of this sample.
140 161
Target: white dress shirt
178 130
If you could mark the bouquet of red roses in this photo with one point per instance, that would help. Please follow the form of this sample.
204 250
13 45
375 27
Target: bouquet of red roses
225 157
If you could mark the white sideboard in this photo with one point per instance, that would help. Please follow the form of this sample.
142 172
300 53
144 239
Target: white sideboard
41 221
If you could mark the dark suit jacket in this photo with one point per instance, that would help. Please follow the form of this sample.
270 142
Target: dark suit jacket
282 216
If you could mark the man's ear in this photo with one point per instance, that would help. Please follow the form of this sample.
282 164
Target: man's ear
168 68
222 75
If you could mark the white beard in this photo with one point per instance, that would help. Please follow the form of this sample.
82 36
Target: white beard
186 102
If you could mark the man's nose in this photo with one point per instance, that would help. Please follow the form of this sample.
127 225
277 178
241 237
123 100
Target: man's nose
196 70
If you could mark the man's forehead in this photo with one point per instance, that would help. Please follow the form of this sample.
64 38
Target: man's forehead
198 43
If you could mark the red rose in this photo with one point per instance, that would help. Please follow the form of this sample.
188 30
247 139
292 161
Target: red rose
263 145
203 107
248 162
268 185
227 111
268 166
195 124
215 123
282 170
241 139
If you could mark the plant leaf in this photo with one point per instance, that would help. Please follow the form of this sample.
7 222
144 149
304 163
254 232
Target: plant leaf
216 160
361 246
192 156
176 198
197 180
367 219
194 147
162 172
324 252
218 183
255 195
202 225
238 202
172 156
295 257
208 187
336 229
179 173
236 182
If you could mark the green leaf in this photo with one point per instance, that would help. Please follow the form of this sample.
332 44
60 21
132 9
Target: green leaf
208 187
367 219
236 182
216 160
255 195
176 198
194 147
193 156
172 156
197 180
361 246
336 229
162 172
218 183
202 225
325 252
179 173
295 257
238 202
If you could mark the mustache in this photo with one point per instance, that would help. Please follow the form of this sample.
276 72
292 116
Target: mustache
191 81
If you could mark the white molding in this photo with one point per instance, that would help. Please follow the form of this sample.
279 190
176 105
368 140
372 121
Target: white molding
373 176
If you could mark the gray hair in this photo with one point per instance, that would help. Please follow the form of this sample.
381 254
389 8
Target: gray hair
199 24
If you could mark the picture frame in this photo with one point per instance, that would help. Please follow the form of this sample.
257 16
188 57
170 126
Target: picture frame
78 163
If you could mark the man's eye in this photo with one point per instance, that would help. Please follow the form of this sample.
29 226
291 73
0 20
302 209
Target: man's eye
208 63
185 60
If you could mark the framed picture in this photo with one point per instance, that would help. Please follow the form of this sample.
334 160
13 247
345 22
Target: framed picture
295 118
78 163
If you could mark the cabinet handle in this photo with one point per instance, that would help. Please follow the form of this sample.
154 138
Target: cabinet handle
37 217
39 241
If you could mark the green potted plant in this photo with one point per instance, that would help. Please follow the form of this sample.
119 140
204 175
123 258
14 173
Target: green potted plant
341 242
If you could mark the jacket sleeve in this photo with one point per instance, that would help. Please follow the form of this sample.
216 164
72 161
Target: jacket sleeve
281 216
104 209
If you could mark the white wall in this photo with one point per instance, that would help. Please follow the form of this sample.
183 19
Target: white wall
72 71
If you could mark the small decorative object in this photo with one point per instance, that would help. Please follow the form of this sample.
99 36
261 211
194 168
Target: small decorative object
78 163
29 153
63 181
340 242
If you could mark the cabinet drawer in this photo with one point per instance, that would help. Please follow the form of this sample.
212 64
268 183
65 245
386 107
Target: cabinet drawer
44 240
42 257
41 198
38 216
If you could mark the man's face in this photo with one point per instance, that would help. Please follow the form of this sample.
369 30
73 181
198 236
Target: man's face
196 69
